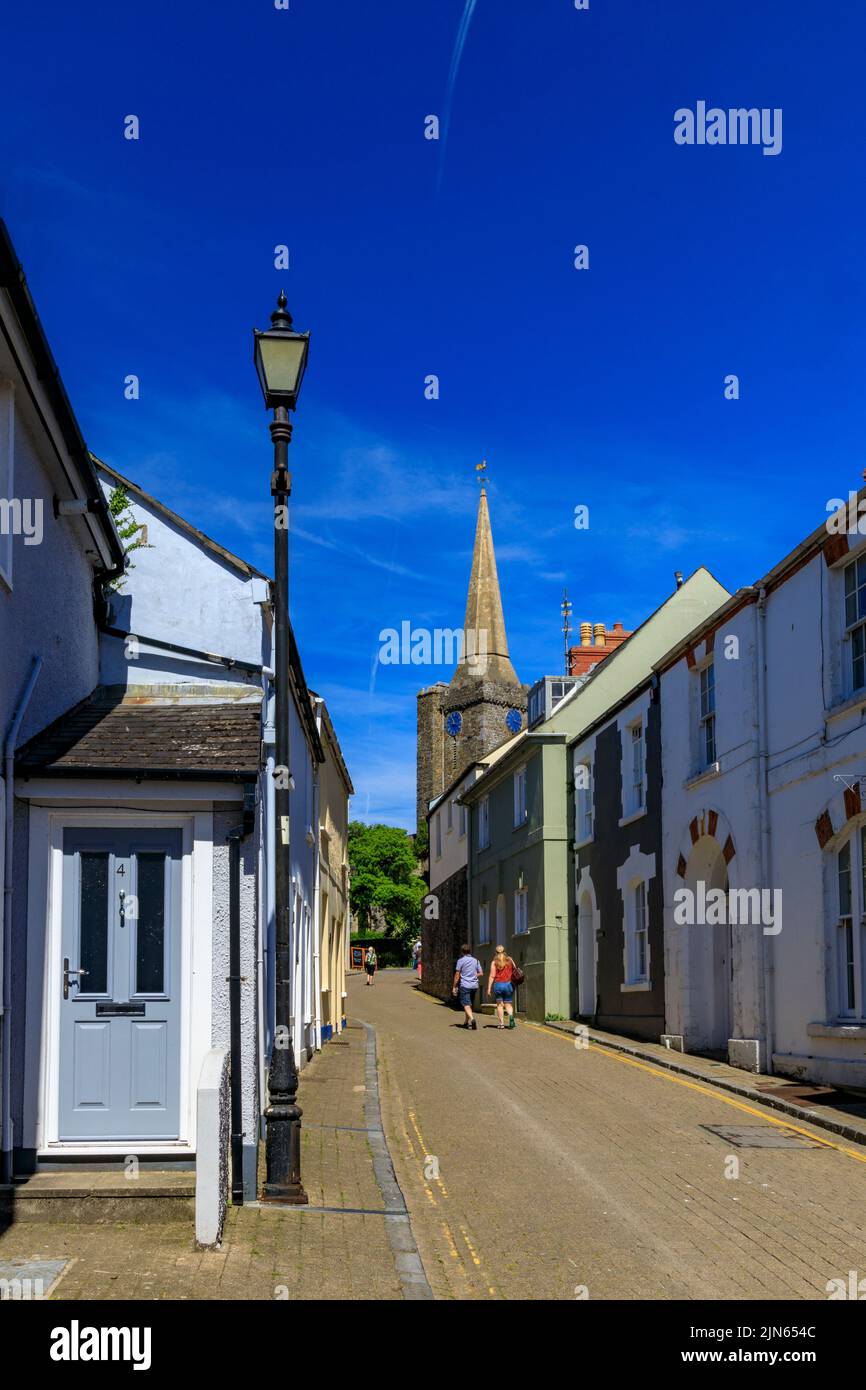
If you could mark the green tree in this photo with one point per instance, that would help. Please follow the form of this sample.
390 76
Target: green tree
422 842
385 877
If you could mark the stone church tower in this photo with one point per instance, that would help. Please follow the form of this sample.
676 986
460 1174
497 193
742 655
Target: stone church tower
465 720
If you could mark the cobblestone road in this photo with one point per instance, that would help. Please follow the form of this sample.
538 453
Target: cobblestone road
533 1169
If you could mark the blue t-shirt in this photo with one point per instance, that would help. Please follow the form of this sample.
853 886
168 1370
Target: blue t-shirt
470 969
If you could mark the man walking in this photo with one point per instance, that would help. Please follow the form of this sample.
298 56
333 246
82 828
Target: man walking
467 973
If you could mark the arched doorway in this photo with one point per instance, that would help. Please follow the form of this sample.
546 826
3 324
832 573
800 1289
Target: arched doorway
710 951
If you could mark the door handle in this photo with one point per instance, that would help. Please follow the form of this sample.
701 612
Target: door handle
66 974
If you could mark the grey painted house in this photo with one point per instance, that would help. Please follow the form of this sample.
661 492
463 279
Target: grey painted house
617 868
58 545
139 918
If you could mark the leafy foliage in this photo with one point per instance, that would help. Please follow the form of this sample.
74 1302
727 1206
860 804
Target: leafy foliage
422 842
385 879
129 530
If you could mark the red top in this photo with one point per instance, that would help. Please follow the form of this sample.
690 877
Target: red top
503 976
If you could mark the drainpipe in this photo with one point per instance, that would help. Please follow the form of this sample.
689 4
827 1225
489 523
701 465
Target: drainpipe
266 1032
766 957
6 923
317 914
237 1120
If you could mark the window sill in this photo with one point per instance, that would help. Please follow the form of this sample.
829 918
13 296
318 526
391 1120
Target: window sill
851 702
521 825
632 816
581 844
855 1030
641 987
706 775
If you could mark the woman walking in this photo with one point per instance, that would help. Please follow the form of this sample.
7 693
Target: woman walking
370 963
500 986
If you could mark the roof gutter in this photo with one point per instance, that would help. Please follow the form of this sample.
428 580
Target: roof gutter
231 663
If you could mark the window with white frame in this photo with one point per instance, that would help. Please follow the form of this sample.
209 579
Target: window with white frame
637 950
634 797
707 714
849 944
583 799
521 911
461 821
483 924
519 796
437 822
484 822
855 621
448 826
7 483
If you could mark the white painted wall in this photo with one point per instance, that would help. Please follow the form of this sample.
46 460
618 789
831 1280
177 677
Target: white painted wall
454 845
181 591
816 732
783 985
49 608
732 794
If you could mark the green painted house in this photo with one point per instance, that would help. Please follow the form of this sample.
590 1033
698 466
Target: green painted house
521 823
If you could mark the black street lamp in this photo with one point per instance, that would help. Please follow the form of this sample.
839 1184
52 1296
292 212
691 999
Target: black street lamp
281 358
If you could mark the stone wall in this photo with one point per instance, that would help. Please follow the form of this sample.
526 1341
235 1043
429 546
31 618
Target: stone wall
430 748
441 939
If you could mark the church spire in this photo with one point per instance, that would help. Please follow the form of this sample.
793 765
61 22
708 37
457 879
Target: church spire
485 643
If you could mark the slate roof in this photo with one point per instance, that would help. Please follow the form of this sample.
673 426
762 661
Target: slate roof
107 737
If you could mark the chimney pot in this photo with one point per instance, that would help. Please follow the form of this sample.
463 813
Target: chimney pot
599 634
586 634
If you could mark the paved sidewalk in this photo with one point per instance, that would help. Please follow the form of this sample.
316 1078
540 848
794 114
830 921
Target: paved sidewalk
836 1111
340 1247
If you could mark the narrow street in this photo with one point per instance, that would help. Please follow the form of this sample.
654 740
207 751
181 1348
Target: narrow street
536 1170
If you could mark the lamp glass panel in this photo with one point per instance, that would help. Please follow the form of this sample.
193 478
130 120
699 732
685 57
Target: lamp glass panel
282 360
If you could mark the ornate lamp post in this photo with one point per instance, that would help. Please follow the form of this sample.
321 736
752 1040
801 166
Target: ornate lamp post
281 359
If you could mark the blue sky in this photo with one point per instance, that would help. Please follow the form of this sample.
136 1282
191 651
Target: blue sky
411 257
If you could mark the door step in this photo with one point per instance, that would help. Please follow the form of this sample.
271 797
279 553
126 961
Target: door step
95 1197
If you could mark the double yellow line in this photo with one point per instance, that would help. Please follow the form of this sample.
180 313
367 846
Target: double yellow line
453 1246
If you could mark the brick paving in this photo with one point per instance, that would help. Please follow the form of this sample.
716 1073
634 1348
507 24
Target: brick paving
531 1169
536 1170
266 1253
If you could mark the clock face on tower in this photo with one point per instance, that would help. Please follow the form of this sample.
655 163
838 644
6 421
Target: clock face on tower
454 723
514 720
